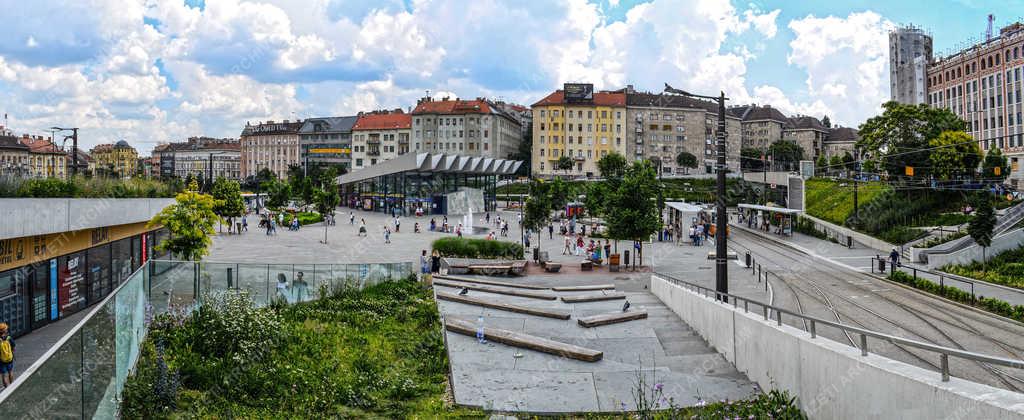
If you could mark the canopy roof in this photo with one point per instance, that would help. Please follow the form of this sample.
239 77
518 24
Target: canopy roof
434 163
783 210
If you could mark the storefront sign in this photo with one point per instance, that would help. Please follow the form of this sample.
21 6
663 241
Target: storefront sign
18 252
70 280
54 314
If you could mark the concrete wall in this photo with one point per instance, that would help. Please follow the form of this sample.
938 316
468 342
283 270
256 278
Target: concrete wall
1010 240
831 380
841 233
40 216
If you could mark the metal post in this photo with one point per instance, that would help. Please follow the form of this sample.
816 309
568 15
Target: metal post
778 317
863 345
721 263
814 333
944 362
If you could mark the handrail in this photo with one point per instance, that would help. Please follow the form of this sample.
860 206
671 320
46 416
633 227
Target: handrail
942 276
944 352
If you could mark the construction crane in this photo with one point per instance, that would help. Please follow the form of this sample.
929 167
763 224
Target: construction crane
988 30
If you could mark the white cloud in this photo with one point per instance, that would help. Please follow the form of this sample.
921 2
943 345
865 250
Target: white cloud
846 60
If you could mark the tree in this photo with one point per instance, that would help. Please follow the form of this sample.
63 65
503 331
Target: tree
787 153
227 196
278 193
612 165
564 163
849 162
954 153
821 165
995 159
190 223
869 167
750 159
901 134
835 163
687 160
982 224
826 122
632 211
265 175
326 198
525 151
537 210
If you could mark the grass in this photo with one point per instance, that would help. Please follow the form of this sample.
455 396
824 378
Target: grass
1006 268
376 353
832 201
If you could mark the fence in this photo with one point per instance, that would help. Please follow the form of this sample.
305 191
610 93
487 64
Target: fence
878 265
83 374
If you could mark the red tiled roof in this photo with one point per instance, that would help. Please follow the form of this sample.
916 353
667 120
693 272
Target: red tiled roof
453 107
40 145
383 121
600 99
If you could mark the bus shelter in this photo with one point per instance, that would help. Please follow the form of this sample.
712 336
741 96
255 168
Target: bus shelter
420 182
778 220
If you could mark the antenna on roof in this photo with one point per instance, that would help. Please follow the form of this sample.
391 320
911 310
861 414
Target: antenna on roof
988 29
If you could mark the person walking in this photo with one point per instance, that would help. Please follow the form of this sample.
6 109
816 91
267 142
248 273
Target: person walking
351 218
579 245
282 288
6 356
387 235
424 264
300 287
435 262
607 248
398 224
245 224
894 259
567 249
551 231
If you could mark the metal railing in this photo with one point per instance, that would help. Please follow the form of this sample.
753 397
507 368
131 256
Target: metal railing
878 265
812 322
83 374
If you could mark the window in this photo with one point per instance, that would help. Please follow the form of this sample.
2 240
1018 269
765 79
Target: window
543 113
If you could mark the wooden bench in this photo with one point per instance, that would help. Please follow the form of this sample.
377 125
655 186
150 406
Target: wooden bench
517 339
584 288
518 268
496 290
610 318
470 300
592 298
490 282
551 267
587 265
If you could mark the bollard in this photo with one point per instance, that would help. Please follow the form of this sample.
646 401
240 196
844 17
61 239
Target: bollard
748 258
814 333
229 278
863 345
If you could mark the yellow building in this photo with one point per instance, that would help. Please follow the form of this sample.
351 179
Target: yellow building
120 159
578 123
46 160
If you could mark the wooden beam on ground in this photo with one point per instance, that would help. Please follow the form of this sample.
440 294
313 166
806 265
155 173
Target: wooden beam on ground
610 318
593 297
498 290
470 300
518 339
491 282
584 288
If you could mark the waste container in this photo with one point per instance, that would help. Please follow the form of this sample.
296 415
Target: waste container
881 265
613 262
748 258
625 257
536 254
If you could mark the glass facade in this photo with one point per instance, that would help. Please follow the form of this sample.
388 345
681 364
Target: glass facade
404 192
37 294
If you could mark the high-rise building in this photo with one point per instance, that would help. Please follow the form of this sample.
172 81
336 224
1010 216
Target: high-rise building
982 85
378 136
327 141
271 145
475 127
910 52
580 124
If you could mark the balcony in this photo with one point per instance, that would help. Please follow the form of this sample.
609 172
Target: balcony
373 152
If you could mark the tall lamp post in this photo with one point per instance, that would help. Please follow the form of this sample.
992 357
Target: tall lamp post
721 221
74 146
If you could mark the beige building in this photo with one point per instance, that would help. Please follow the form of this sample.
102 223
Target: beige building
14 156
119 159
201 156
271 145
379 136
583 125
661 126
839 141
808 132
762 125
46 160
465 127
983 85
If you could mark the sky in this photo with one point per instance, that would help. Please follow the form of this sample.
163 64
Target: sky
152 71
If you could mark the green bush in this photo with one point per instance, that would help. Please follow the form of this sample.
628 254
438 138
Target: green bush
307 218
1006 268
477 248
941 240
81 187
993 305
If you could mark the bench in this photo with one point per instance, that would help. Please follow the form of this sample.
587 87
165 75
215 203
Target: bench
486 303
517 339
490 282
582 288
496 290
610 318
551 267
592 297
587 265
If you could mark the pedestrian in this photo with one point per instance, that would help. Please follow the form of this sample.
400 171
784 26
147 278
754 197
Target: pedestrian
416 227
433 224
458 230
551 231
693 235
282 288
526 240
567 250
6 356
435 262
387 235
579 245
300 287
607 248
894 258
424 263
487 217
398 224
351 218
245 224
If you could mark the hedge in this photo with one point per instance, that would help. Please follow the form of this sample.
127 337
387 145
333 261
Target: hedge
307 218
996 306
477 248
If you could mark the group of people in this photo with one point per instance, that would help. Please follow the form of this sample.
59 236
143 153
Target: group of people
579 246
297 291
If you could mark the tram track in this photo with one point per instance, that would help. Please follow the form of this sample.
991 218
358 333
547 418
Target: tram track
1003 376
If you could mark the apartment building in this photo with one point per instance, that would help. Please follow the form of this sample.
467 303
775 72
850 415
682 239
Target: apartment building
910 51
46 160
327 141
201 156
983 84
578 123
475 127
378 136
762 125
808 132
271 145
118 159
840 141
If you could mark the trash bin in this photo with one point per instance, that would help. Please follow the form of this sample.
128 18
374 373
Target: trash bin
543 255
613 262
625 257
748 258
536 254
881 265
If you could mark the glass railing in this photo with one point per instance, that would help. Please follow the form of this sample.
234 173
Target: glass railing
82 376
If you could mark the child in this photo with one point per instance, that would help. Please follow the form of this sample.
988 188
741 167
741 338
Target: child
6 356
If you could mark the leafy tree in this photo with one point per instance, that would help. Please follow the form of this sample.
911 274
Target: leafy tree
835 163
326 198
190 223
995 159
564 163
278 193
189 179
632 212
787 153
901 134
750 159
688 160
826 122
983 224
227 196
537 209
954 153
869 166
265 175
612 165
849 162
821 164
525 151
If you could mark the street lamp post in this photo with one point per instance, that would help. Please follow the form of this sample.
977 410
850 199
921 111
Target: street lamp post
74 147
721 221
